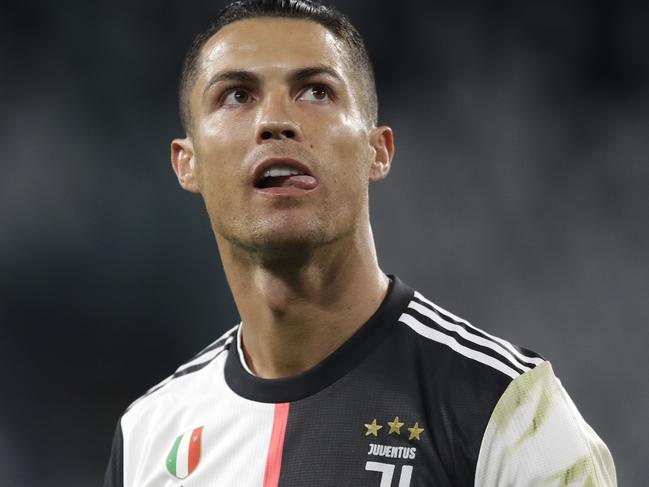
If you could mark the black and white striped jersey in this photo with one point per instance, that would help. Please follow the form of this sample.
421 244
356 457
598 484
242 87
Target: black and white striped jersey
417 397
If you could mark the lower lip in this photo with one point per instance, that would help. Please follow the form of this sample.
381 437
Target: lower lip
280 191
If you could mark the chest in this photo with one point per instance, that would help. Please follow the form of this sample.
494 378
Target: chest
346 437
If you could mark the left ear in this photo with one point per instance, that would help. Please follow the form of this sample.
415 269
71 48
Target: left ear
183 161
382 141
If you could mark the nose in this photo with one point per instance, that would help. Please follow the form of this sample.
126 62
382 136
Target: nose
276 130
275 122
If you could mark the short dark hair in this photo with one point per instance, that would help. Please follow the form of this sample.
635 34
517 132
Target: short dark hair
330 18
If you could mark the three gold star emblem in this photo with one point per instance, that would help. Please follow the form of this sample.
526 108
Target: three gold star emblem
373 428
395 426
415 431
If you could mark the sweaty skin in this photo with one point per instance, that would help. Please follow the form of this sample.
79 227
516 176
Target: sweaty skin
302 266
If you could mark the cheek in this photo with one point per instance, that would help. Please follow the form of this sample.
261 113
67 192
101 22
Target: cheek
219 155
350 148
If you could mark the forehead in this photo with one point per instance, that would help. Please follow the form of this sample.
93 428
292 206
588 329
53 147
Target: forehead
271 43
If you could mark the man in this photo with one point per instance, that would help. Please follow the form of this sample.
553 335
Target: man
338 375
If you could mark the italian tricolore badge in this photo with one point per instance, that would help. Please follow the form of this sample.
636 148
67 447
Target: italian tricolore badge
185 454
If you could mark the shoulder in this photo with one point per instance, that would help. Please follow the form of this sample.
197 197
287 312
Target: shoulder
462 373
537 435
521 422
186 377
478 351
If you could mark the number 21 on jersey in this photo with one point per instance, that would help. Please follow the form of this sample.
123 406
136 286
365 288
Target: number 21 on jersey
387 472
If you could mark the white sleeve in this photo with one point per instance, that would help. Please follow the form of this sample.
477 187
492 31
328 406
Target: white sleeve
536 437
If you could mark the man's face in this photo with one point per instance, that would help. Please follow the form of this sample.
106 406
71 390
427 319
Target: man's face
278 95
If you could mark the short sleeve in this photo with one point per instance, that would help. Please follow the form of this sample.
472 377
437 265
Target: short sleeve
115 471
536 436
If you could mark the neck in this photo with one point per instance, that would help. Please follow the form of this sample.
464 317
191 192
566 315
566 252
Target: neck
297 310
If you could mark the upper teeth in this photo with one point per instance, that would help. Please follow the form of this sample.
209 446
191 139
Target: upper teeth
275 171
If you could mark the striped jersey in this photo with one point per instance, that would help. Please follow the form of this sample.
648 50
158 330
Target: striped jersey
416 397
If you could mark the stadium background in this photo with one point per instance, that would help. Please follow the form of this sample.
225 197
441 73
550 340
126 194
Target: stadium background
519 199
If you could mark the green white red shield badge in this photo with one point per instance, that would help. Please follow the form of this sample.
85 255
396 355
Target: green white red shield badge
185 454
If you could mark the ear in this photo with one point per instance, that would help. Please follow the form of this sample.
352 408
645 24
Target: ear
382 141
183 161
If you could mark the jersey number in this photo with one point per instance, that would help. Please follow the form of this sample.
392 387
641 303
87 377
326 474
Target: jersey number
387 472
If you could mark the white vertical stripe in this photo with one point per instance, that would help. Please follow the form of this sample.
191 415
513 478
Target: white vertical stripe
236 432
452 343
504 343
182 458
460 330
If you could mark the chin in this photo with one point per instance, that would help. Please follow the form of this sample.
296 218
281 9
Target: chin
289 239
285 235
284 241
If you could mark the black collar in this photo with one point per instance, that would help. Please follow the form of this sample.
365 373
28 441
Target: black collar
332 368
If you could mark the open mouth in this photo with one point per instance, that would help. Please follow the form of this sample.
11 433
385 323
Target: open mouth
284 176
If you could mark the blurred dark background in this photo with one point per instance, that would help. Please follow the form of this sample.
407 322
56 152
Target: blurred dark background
519 199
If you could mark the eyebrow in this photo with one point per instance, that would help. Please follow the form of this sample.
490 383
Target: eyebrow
311 71
299 74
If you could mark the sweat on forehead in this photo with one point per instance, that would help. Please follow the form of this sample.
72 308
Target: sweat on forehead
348 40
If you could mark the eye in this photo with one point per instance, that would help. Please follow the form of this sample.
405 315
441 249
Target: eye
316 93
236 96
